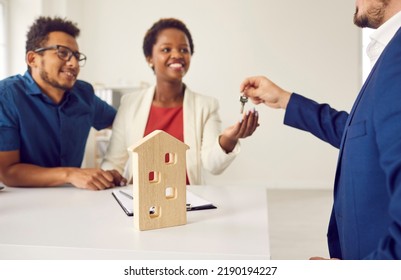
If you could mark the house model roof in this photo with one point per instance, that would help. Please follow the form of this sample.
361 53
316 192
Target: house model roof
156 138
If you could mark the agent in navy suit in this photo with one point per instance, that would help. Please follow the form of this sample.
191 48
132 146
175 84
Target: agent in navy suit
366 218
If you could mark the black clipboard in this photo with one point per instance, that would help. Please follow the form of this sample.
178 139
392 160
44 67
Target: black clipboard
125 202
194 202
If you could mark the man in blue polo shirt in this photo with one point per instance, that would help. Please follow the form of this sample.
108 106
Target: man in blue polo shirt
46 114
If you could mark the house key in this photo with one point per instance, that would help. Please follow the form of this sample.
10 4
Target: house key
243 99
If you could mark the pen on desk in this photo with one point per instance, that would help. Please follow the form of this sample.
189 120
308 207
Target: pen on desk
126 194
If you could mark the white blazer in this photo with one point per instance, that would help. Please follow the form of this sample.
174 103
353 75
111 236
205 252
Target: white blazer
202 127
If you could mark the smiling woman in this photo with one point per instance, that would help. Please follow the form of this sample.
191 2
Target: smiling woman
168 48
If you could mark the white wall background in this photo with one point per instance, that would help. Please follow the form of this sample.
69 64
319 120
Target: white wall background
308 46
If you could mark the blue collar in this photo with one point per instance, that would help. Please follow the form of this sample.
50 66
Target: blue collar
32 88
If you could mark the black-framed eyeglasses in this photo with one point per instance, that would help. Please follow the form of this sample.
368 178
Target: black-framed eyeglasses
65 53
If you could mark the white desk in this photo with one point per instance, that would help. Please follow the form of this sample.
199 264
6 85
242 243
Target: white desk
71 223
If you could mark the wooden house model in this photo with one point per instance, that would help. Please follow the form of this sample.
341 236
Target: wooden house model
159 181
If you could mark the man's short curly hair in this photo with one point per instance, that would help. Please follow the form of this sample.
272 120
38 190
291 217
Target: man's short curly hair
151 35
38 33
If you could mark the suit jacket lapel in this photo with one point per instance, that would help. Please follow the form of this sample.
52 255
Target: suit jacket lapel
139 116
365 85
189 117
350 116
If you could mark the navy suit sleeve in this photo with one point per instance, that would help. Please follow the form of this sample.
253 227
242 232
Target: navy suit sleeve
319 119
